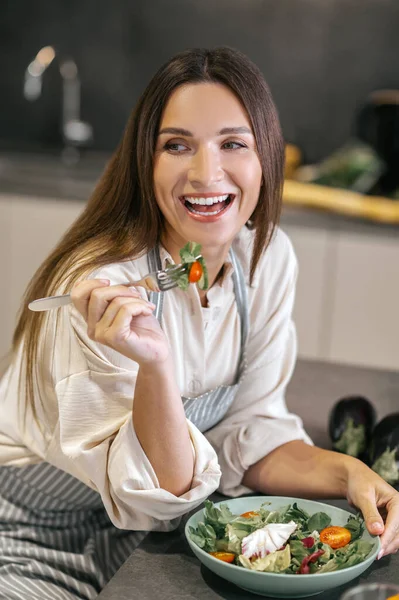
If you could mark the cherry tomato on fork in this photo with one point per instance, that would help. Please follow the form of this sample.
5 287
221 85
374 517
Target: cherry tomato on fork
195 272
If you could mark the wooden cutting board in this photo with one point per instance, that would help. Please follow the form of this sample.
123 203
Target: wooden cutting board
345 202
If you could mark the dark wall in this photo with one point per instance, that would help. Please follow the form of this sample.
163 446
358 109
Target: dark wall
320 57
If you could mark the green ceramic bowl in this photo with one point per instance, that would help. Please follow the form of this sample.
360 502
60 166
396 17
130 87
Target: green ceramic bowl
275 584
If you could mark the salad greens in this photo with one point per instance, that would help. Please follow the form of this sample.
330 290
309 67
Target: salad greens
190 254
302 552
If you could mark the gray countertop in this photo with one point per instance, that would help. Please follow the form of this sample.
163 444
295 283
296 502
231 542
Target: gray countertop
163 565
46 176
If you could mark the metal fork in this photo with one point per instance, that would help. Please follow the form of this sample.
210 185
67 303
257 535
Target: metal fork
156 281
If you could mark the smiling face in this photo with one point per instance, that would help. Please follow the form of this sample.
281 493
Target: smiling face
207 173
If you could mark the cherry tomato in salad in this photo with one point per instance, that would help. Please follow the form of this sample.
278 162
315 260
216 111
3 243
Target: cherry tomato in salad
249 514
335 536
195 272
224 556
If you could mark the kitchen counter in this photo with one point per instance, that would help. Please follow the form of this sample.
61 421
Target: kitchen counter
44 175
163 565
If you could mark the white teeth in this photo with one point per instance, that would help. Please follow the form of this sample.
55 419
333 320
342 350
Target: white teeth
206 201
207 214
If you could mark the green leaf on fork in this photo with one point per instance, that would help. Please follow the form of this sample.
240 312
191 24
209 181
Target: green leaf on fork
189 254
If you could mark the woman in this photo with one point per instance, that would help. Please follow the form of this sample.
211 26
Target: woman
96 443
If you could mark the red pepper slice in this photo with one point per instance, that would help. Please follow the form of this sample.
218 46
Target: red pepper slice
304 568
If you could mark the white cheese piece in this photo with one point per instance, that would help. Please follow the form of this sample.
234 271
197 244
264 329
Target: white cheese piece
268 539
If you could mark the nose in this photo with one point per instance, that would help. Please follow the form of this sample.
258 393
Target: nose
205 168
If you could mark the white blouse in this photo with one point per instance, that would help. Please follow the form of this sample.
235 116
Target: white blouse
84 391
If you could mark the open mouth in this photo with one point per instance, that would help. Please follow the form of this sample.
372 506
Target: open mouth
207 207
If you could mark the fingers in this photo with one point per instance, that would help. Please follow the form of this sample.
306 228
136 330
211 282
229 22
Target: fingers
118 311
388 499
390 537
92 297
81 293
99 300
372 518
377 499
115 325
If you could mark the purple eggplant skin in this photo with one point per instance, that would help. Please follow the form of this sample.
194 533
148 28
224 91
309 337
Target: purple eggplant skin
360 411
386 437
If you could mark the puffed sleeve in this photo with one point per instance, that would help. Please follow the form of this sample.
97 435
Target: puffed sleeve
96 440
259 421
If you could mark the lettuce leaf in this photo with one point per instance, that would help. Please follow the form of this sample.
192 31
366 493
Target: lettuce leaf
204 536
187 253
355 525
318 521
218 518
328 553
275 562
274 516
352 554
242 527
298 515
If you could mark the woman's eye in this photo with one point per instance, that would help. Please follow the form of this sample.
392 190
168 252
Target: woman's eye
175 147
233 145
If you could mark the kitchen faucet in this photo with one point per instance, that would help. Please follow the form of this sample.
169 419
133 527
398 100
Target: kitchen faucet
75 132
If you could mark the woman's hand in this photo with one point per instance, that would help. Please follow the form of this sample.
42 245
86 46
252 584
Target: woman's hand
297 469
378 501
120 318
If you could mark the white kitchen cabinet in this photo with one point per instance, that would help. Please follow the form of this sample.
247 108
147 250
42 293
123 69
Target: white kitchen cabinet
364 327
315 250
34 226
347 302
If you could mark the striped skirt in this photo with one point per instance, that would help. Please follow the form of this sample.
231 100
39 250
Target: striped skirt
56 540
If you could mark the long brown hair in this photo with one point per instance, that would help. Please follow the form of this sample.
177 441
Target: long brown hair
122 218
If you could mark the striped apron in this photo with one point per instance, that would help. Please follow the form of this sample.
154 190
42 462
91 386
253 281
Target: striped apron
56 539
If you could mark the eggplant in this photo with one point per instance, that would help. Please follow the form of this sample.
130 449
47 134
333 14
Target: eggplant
384 449
351 422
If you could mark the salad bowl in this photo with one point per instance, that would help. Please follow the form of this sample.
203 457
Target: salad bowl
275 584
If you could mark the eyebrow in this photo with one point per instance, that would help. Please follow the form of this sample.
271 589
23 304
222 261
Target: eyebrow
186 133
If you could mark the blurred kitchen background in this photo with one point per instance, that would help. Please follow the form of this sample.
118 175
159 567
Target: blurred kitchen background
71 72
